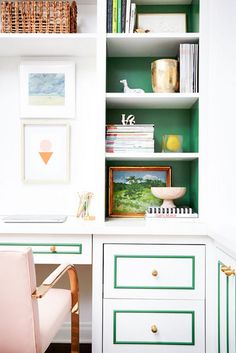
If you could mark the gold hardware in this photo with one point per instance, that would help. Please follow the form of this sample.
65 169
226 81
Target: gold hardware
230 272
154 329
53 248
154 273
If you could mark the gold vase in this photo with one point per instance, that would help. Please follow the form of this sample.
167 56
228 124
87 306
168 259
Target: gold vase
165 75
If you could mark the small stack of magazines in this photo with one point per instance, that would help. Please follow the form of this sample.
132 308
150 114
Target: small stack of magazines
188 60
130 138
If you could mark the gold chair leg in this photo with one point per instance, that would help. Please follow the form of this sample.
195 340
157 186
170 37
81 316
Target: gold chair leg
74 286
74 333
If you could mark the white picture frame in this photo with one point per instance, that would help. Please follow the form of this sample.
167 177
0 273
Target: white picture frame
162 22
45 151
47 89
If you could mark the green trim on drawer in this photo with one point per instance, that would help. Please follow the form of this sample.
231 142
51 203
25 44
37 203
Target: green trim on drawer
48 245
227 314
158 257
192 343
219 307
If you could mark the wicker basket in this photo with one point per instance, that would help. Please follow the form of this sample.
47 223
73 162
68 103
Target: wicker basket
39 17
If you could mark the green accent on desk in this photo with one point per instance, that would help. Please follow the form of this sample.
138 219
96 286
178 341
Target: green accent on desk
227 314
79 252
183 173
219 306
192 313
116 257
166 121
191 11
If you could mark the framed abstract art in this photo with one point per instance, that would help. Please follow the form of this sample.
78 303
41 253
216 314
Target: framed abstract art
47 89
45 152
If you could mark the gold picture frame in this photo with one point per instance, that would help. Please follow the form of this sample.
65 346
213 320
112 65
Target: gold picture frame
130 189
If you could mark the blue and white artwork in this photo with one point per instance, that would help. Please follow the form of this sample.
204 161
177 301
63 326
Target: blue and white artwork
46 88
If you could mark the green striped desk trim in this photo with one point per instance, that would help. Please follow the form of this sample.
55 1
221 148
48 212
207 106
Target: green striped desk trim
192 313
116 257
79 252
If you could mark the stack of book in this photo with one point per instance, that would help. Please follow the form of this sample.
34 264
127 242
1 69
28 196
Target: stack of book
121 16
188 58
176 212
130 138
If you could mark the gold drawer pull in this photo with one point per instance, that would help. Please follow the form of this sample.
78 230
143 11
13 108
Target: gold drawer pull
154 273
53 248
154 329
228 271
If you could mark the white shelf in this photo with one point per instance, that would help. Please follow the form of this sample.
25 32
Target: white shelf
151 156
31 44
147 44
152 100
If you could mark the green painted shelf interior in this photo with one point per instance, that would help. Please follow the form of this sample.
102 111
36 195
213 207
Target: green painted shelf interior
191 11
184 173
137 72
166 121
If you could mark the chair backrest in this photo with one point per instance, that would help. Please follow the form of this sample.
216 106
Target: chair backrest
19 324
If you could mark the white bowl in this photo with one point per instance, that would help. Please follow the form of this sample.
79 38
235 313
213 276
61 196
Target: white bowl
168 194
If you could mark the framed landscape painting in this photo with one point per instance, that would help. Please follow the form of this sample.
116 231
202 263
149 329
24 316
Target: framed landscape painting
47 89
45 152
130 189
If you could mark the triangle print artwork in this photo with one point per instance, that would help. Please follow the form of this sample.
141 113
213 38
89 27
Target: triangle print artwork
45 150
46 156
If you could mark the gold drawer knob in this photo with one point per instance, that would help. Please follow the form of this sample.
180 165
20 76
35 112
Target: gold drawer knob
230 272
154 329
53 248
154 273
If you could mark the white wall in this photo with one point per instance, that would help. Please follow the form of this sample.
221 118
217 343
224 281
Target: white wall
221 131
17 197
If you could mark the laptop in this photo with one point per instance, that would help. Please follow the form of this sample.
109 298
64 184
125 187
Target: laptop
34 219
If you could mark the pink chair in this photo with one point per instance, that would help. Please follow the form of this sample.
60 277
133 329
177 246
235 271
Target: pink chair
30 316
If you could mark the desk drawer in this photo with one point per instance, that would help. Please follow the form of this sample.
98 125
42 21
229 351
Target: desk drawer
76 251
153 326
154 271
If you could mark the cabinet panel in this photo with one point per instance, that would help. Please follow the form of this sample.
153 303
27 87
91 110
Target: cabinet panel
74 250
226 303
140 326
153 271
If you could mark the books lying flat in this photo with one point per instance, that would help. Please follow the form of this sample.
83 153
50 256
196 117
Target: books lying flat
176 212
130 128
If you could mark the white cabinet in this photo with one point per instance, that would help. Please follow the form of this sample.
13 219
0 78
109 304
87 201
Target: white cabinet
154 298
226 303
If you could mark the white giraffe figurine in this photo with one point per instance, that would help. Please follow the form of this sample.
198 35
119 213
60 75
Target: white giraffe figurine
130 90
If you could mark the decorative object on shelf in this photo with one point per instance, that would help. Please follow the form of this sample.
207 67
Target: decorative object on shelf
140 30
130 189
130 90
168 194
130 120
39 16
162 22
130 138
174 212
47 89
45 152
84 206
165 75
172 143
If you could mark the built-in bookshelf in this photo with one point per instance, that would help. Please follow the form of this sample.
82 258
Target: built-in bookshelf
129 56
